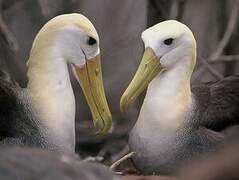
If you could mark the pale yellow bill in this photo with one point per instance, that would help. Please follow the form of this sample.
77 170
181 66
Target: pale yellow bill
149 67
90 79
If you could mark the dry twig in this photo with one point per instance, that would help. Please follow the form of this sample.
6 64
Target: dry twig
174 11
213 71
228 33
7 34
124 151
225 59
47 6
124 158
221 46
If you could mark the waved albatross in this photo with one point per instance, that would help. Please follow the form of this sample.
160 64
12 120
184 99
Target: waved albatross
176 122
43 113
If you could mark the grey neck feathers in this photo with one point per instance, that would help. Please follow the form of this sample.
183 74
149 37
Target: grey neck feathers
168 99
53 99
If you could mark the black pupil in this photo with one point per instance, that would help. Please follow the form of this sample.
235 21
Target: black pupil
91 41
168 41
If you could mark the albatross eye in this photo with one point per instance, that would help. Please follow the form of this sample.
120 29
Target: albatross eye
91 41
168 41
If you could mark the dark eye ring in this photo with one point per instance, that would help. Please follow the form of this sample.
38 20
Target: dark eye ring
168 41
91 41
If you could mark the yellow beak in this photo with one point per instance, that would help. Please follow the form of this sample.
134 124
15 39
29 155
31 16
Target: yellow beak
149 67
90 79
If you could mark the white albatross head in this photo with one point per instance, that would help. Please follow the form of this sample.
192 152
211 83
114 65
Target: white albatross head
167 45
72 39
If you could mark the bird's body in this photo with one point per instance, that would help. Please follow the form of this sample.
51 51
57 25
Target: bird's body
43 113
17 116
163 146
22 121
177 123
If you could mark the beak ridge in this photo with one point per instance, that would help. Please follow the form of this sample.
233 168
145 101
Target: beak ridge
149 67
91 81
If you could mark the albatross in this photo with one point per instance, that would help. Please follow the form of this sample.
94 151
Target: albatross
176 122
43 114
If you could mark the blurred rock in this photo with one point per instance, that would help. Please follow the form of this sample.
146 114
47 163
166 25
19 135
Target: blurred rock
147 178
222 165
24 163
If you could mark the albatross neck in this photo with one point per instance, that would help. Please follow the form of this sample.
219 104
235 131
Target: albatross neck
169 98
52 95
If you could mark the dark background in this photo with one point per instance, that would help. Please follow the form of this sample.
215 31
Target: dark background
215 24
